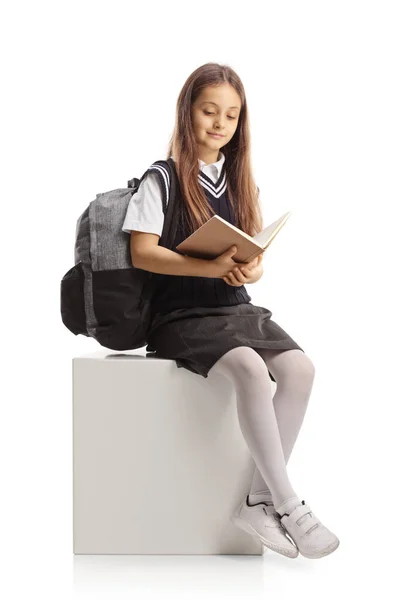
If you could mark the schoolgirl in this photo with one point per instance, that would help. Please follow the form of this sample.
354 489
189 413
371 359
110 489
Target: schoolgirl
202 315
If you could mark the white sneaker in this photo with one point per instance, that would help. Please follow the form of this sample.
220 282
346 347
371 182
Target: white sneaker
312 538
263 521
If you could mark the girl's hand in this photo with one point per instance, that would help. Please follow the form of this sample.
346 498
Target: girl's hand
249 274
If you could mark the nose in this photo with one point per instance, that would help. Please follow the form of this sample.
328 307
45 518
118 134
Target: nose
218 125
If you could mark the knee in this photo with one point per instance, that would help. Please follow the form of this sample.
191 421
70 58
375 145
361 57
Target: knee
304 368
243 364
249 366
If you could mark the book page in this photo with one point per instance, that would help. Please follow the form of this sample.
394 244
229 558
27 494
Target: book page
266 234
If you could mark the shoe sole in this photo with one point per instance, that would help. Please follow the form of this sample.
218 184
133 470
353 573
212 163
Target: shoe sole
324 552
249 529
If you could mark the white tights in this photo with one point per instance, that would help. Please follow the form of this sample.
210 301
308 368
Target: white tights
270 425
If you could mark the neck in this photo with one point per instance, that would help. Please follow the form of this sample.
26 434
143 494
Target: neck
208 156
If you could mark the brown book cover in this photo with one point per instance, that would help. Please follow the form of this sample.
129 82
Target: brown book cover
217 235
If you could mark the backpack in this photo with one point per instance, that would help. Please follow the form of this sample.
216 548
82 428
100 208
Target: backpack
103 295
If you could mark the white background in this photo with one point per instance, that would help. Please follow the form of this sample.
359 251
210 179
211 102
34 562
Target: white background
88 102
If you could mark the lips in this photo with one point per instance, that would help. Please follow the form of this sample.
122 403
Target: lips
215 134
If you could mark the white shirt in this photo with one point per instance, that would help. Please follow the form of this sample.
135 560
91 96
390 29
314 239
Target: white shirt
145 211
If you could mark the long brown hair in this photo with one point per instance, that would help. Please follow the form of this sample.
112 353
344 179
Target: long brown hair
242 189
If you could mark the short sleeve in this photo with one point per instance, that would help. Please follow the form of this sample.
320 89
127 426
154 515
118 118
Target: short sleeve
145 208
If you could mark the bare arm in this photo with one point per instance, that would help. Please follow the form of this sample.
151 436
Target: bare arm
168 262
146 254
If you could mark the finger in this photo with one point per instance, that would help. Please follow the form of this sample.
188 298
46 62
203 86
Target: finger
242 274
232 279
241 277
229 279
246 272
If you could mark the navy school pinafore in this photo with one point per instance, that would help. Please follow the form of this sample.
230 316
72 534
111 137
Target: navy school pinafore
196 320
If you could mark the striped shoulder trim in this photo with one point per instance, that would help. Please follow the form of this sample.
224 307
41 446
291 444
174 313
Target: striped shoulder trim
165 178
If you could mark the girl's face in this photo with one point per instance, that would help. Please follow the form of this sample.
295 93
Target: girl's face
215 110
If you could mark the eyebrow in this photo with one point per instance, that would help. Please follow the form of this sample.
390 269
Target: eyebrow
210 102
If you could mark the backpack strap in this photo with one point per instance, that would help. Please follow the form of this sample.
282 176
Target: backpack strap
162 168
173 202
171 197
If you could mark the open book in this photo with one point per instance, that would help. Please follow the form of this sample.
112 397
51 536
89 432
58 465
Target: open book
217 235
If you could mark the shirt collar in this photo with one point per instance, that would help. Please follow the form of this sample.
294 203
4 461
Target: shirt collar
216 166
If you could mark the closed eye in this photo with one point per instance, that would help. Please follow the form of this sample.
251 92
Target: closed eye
209 113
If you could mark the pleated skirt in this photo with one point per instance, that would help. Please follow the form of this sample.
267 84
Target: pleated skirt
197 337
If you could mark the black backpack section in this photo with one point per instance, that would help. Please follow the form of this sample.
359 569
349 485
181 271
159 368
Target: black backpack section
104 296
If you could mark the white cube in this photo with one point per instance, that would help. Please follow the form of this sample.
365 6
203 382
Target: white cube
159 459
